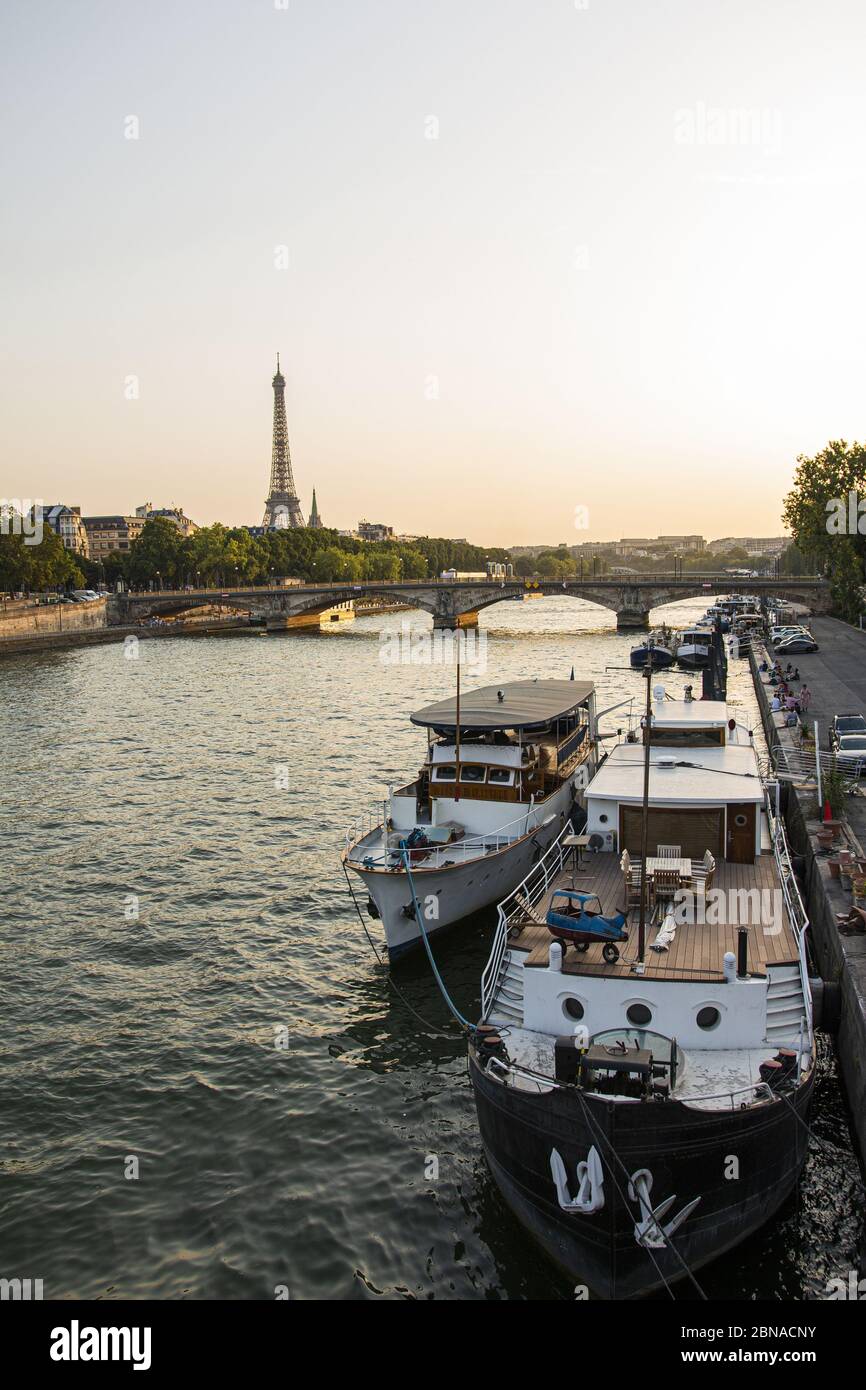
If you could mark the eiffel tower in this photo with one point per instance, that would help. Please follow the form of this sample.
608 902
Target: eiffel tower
282 508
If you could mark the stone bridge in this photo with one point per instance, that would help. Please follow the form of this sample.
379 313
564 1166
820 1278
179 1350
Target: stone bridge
457 603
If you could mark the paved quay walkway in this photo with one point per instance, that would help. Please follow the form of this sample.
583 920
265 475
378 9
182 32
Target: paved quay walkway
836 676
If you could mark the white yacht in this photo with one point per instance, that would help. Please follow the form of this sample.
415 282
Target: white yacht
645 1056
500 781
695 646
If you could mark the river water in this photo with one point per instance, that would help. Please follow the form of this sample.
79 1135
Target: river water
209 1088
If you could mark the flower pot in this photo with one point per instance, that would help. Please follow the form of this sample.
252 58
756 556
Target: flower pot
834 866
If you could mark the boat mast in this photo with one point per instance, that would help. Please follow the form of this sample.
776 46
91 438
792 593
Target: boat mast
457 741
641 934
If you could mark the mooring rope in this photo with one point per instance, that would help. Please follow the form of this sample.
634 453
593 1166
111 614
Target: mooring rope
464 1022
431 1028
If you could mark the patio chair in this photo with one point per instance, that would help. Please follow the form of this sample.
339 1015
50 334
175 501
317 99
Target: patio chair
703 872
666 883
631 880
669 852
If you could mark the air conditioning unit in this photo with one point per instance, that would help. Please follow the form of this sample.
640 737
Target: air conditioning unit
609 837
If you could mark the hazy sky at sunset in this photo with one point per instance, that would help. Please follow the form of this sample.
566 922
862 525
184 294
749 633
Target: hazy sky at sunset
599 286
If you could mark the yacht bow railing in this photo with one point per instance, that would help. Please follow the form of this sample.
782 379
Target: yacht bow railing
529 893
364 824
456 850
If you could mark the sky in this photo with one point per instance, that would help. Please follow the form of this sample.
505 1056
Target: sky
538 270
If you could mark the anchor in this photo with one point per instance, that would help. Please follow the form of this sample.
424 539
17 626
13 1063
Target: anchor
650 1232
590 1179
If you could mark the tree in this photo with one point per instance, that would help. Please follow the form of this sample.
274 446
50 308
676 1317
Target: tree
37 567
822 511
156 553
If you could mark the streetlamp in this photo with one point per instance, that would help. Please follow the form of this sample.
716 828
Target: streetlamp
159 581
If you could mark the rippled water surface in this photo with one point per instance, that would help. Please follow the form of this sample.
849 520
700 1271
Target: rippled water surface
185 984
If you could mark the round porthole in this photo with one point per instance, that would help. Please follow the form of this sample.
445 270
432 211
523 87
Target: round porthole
572 1008
603 820
708 1017
639 1015
740 820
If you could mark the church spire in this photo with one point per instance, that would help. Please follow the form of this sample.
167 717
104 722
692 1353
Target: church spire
315 520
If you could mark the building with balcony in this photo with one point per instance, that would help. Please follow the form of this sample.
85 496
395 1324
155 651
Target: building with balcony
67 524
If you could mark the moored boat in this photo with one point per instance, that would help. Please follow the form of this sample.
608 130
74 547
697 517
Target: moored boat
694 649
642 1107
661 642
503 775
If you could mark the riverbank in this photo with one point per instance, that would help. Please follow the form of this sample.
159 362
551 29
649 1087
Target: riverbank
25 619
833 674
54 641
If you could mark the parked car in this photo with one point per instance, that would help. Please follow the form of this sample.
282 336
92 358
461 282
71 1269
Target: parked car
851 753
778 634
800 642
846 725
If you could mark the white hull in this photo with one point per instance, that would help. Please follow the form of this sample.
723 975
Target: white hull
448 894
693 655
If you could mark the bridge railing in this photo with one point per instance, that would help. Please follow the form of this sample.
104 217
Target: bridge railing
648 579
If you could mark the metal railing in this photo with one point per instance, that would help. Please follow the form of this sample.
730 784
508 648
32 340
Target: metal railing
527 893
457 850
797 915
364 824
757 1090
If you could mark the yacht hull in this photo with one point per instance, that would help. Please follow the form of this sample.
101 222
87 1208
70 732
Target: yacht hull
447 895
693 658
687 1150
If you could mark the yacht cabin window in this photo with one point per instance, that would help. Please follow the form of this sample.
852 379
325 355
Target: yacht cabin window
472 772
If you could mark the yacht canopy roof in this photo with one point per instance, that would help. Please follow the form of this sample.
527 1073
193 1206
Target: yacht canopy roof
523 703
698 775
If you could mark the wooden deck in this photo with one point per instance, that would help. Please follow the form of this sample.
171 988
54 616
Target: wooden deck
696 952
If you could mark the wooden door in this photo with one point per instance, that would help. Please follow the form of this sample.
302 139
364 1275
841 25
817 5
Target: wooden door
741 833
